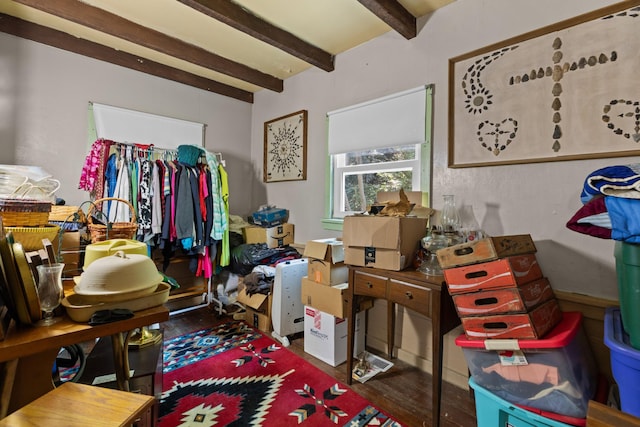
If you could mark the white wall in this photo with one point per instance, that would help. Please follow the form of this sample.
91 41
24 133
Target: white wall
44 96
536 199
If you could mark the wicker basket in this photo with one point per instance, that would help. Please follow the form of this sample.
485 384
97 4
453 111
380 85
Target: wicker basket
113 230
67 213
24 212
31 237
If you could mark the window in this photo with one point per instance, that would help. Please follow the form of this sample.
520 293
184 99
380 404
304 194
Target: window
379 145
359 175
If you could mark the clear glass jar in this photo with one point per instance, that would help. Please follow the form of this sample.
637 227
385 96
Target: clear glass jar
450 220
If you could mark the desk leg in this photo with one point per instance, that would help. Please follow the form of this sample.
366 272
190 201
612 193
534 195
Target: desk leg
351 332
436 366
120 346
391 327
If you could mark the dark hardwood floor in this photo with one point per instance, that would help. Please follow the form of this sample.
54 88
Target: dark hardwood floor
404 392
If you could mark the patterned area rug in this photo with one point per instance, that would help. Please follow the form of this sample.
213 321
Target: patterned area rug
232 375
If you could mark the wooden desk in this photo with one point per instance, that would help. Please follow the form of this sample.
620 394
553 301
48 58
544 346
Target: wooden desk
426 295
28 353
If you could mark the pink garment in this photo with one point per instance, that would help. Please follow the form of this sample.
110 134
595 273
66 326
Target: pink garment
92 174
205 266
535 373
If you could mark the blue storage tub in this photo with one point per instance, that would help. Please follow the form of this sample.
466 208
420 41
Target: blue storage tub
492 411
625 361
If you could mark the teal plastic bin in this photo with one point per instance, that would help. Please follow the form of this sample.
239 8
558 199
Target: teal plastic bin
625 362
492 411
627 257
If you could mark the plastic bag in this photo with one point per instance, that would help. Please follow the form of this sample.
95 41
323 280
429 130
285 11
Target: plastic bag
247 255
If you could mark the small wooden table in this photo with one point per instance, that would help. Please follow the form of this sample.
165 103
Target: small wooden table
80 405
28 353
424 294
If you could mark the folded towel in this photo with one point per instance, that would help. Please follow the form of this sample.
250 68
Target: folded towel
618 181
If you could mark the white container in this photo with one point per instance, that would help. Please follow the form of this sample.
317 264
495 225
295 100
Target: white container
325 336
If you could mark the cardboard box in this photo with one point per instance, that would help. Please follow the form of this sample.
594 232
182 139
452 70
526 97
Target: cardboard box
280 235
270 217
507 300
325 336
503 273
326 261
382 241
483 250
328 299
258 308
531 325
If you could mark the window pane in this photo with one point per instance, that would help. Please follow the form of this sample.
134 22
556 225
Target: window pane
360 189
380 155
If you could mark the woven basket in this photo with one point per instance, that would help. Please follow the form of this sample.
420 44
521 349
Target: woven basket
31 237
67 213
24 212
113 230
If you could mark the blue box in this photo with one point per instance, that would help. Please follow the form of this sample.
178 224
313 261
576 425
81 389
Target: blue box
492 411
625 361
270 217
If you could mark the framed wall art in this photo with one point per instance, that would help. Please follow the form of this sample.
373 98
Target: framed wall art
564 92
285 148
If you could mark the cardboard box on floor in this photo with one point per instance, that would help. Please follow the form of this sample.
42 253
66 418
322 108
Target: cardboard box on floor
280 235
384 242
326 261
258 310
325 336
329 299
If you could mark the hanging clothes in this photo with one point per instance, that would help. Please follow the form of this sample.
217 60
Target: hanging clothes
178 205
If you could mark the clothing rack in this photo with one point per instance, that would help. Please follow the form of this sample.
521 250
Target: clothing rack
150 149
131 150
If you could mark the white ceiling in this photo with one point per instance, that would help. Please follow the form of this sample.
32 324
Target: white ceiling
333 26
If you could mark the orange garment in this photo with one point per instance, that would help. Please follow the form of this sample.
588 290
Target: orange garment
535 373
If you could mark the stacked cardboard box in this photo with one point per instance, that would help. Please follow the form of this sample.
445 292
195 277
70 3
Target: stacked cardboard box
325 285
386 242
274 237
323 293
498 288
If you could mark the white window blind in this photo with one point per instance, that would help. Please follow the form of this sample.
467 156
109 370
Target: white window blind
124 125
392 120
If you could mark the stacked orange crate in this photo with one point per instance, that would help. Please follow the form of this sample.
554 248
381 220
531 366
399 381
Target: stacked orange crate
498 288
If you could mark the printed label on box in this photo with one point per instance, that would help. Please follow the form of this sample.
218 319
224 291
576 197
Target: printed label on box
369 255
512 358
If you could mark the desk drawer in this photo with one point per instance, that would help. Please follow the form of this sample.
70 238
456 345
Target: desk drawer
411 296
373 286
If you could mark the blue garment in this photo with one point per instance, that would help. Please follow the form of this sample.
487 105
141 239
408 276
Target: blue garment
625 218
111 177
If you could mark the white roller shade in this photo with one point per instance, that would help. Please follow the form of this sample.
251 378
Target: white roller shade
123 125
393 120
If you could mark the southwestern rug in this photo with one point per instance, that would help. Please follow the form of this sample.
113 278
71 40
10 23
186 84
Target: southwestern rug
232 375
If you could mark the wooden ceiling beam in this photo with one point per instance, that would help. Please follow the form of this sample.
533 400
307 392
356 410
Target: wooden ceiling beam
41 34
239 18
109 23
395 15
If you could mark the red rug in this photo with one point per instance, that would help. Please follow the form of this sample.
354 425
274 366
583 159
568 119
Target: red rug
251 380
